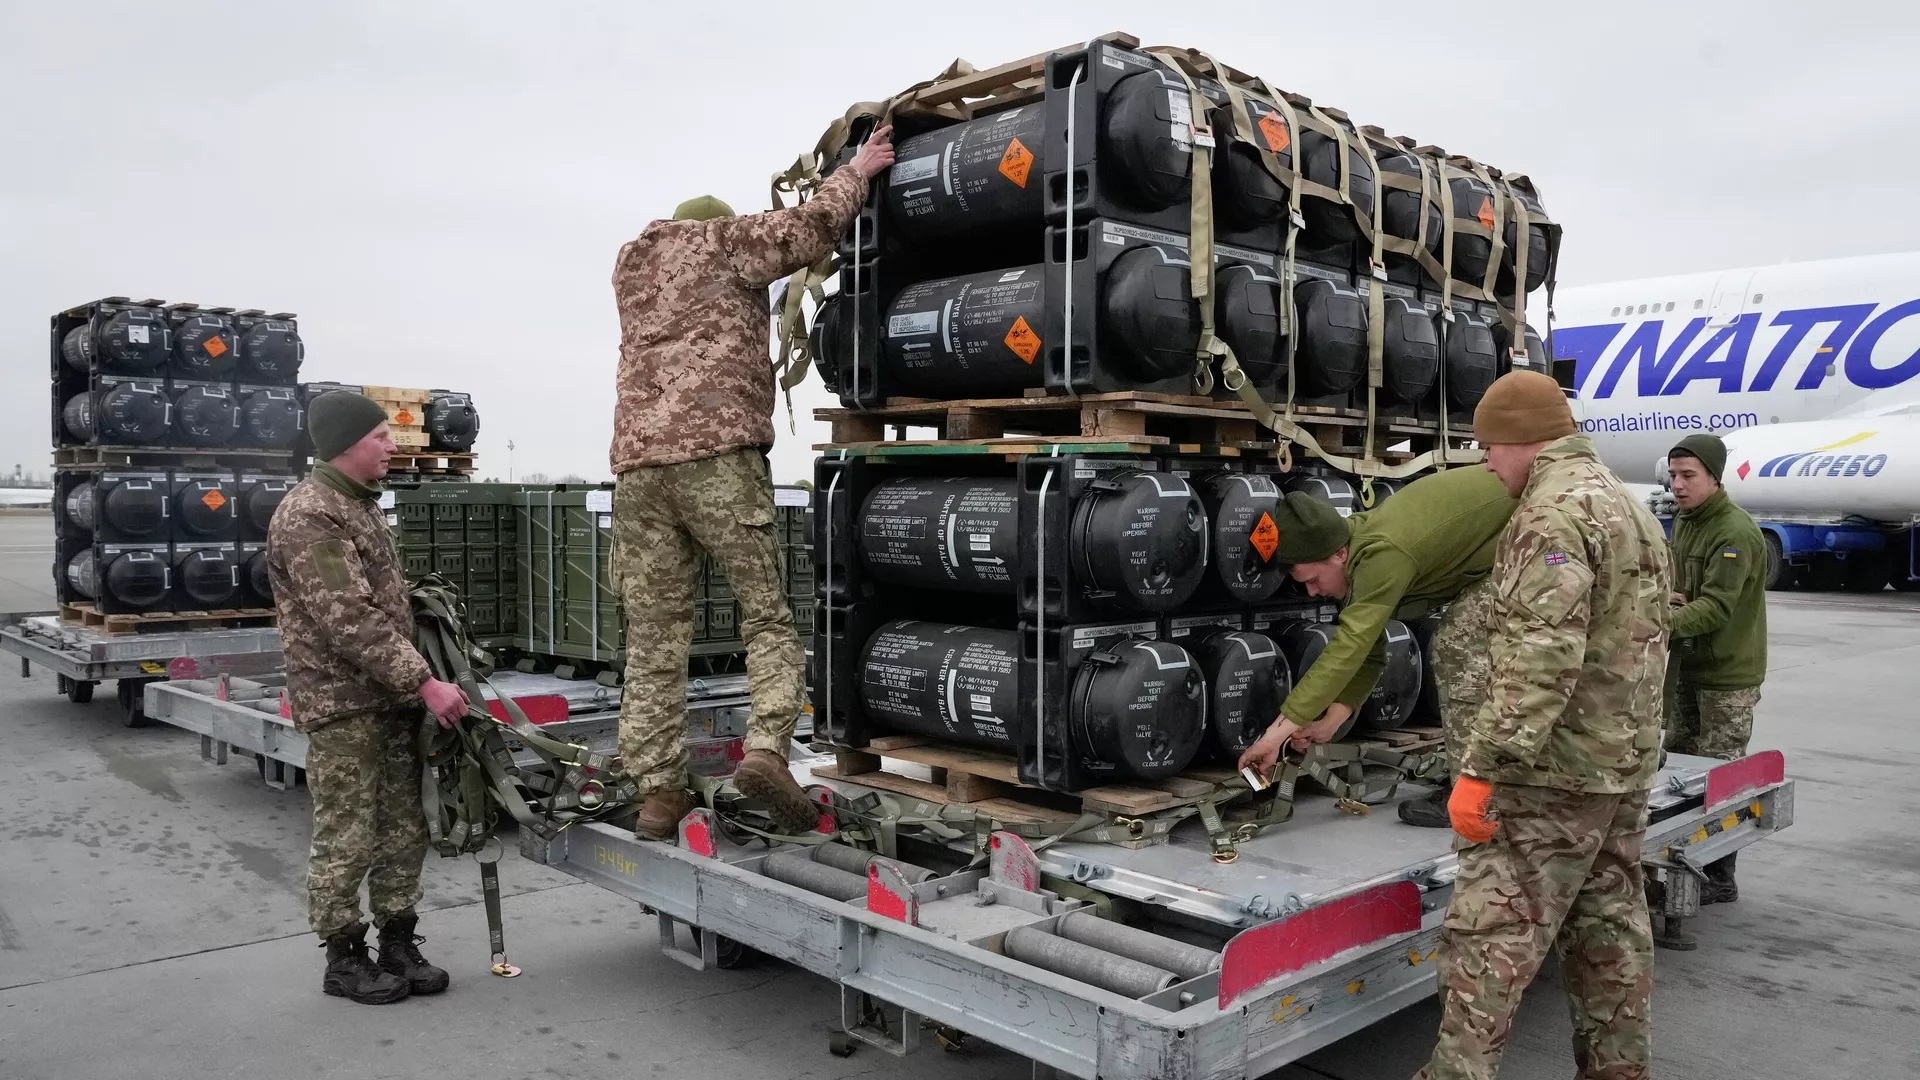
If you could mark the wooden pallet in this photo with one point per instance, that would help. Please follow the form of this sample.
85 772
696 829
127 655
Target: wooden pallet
1132 422
433 462
978 778
110 457
91 617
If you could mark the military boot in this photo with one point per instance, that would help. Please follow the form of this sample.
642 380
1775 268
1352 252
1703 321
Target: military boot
1428 811
764 776
1719 888
660 813
352 974
400 956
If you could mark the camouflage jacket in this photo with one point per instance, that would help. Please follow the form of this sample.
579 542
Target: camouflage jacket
346 627
1579 649
696 375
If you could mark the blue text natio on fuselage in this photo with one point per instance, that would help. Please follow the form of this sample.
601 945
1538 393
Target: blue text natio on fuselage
1847 333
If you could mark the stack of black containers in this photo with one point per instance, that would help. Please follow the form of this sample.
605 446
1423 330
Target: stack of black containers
1104 617
173 434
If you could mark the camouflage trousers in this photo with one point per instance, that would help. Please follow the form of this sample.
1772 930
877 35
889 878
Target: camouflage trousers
1710 723
363 773
1462 664
1563 873
663 517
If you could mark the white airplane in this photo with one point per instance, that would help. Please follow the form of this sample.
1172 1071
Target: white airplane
1809 371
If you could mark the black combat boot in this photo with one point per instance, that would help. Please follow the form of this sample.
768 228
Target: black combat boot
352 974
1719 888
1428 811
400 956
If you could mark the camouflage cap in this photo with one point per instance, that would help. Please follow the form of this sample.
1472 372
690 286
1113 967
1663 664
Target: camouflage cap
1705 446
1523 407
1310 529
702 208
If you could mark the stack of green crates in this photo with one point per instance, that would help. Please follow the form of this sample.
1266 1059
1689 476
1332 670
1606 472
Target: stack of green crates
464 533
567 607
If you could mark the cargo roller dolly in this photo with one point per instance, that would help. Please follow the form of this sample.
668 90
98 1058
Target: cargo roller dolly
81 657
1323 926
249 715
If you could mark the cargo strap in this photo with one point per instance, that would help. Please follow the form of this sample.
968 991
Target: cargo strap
468 773
1200 256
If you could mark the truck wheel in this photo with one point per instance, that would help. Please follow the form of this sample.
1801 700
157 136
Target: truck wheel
728 953
1826 574
79 691
1777 576
1866 572
130 700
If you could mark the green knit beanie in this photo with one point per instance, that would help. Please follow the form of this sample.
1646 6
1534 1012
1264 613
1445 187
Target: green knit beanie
1708 448
702 208
1310 529
339 418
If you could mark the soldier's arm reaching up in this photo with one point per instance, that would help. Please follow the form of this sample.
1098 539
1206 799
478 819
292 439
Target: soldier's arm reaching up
764 248
1544 583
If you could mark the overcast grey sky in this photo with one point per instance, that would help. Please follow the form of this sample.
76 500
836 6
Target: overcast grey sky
438 189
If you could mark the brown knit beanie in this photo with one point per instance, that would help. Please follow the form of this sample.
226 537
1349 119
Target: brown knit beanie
1523 407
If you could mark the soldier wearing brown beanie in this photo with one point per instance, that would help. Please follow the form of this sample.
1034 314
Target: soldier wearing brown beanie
1551 801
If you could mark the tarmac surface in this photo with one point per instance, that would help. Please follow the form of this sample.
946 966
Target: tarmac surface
153 921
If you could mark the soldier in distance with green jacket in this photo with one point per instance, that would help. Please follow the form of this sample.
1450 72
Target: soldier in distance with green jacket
1719 622
1429 546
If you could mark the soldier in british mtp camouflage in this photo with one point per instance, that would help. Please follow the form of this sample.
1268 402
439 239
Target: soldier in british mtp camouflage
1551 801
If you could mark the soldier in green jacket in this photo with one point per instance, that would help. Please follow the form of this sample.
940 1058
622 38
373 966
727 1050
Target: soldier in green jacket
1719 624
1551 800
1430 545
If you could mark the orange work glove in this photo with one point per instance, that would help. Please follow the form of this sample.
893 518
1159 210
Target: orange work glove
1471 808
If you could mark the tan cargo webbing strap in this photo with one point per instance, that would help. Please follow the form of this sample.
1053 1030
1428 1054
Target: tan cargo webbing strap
1345 135
1430 156
1200 224
1521 182
795 351
1458 224
1497 254
1312 119
1376 330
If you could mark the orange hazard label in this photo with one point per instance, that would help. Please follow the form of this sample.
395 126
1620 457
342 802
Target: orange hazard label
1016 162
214 499
1022 340
1486 211
403 417
1265 537
216 347
1275 130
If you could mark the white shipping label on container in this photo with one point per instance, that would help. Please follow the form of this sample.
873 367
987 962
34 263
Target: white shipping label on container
386 500
600 502
915 323
787 496
137 334
906 172
1180 108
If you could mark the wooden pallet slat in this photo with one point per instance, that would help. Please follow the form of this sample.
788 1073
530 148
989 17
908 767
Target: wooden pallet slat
90 616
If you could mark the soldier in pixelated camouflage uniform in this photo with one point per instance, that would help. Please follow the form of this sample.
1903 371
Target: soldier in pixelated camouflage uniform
356 688
1719 622
1551 802
691 431
1431 545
